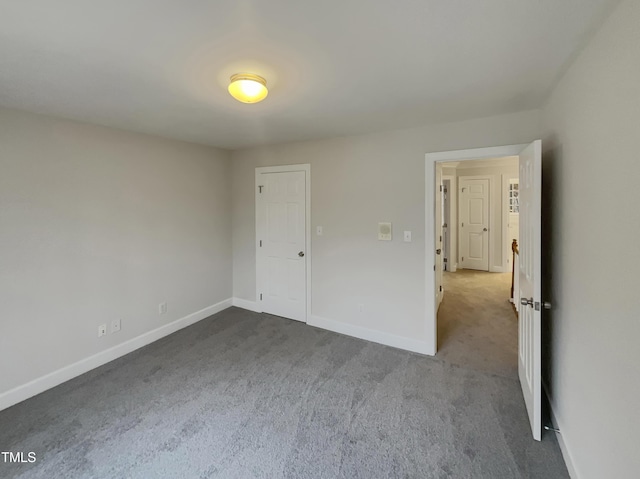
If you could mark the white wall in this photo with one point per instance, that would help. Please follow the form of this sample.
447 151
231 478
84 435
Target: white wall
499 248
592 225
355 183
98 224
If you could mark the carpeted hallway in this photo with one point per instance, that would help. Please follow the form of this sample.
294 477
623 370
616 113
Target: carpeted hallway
477 326
243 395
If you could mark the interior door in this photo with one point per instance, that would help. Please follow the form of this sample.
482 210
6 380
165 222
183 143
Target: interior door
530 311
438 235
446 218
474 224
281 208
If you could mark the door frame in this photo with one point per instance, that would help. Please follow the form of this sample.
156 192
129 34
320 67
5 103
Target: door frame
431 159
306 168
490 216
452 226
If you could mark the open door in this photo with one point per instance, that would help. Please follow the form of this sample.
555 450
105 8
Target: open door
530 311
438 236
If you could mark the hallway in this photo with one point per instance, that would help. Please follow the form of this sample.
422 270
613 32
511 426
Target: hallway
477 327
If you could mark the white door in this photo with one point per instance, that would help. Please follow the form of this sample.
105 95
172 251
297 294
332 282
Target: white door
529 327
474 224
438 234
446 218
281 228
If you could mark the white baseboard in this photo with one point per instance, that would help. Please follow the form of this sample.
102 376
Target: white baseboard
373 335
566 455
248 305
496 269
454 267
48 381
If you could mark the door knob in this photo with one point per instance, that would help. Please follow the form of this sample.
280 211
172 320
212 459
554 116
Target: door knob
485 229
526 302
301 254
438 251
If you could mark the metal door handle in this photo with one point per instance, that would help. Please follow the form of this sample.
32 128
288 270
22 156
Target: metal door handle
438 251
301 254
526 302
485 229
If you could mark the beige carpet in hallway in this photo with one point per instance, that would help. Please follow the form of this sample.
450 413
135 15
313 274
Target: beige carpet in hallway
477 327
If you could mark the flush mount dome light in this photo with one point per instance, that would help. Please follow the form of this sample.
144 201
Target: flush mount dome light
248 88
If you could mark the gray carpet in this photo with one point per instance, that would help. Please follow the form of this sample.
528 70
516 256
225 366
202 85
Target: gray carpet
477 326
243 395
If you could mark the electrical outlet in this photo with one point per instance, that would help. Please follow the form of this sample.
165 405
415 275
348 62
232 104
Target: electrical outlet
102 330
115 325
162 308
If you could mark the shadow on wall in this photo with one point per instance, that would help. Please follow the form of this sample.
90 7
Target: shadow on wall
551 181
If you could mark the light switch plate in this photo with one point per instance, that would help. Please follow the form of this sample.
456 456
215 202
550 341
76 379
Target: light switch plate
384 231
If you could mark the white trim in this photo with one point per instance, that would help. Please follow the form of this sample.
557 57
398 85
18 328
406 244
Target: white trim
430 159
566 455
504 205
248 305
48 381
454 267
452 226
306 167
372 335
476 153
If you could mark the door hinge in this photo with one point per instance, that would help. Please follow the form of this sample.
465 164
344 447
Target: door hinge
462 259
441 188
463 225
445 260
260 188
440 238
260 296
441 289
260 243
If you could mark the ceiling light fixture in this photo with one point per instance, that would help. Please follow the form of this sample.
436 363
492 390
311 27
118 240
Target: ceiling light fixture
248 88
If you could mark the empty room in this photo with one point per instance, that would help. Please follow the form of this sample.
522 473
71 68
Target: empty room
245 239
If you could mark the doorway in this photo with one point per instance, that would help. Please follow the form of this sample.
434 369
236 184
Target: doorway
283 243
529 327
475 299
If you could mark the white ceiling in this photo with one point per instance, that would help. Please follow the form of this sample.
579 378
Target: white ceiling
333 68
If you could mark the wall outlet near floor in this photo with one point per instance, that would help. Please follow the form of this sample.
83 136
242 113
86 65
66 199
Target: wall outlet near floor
115 325
162 308
102 330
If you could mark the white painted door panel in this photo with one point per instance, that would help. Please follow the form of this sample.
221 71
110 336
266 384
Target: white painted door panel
282 249
474 224
530 284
